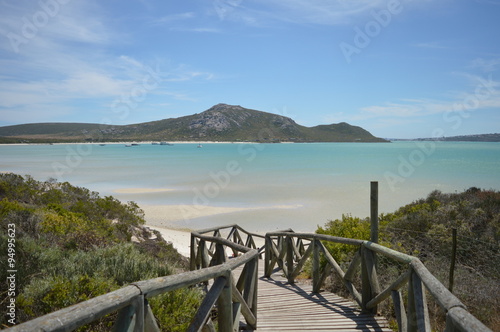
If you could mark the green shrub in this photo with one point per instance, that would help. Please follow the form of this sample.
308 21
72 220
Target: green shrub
122 262
349 227
175 310
43 296
424 229
46 295
72 245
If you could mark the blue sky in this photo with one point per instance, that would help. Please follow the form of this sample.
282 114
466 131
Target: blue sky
398 68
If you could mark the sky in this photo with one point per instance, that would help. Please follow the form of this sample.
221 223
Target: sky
398 68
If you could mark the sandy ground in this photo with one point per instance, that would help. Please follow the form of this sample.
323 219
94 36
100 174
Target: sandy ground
138 142
179 239
141 190
160 218
167 215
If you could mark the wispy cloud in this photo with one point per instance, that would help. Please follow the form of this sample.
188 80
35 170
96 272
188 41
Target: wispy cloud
323 12
486 65
430 45
69 63
424 107
168 19
197 30
32 25
484 94
408 108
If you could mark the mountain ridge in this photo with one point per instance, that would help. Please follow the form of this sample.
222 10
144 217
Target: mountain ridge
221 122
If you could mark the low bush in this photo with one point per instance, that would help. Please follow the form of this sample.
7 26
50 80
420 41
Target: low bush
424 229
73 245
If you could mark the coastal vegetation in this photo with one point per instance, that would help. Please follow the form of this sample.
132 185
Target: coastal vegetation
424 229
72 245
224 123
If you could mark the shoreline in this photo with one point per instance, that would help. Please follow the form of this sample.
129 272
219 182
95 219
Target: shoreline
170 216
163 218
181 239
138 142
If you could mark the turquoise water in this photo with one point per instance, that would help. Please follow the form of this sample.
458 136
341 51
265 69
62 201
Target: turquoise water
283 185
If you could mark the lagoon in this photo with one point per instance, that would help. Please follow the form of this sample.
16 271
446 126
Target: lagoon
262 187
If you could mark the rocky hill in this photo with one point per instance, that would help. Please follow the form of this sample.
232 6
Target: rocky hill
219 123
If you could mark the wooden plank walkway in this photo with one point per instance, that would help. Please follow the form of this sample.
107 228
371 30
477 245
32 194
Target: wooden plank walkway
285 307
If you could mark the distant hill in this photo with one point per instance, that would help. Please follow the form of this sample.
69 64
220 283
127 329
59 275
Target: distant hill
462 138
219 123
474 138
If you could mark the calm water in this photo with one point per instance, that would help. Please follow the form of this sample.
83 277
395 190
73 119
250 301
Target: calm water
283 185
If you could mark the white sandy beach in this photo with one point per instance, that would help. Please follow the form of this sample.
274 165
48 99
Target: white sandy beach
161 217
137 142
179 239
141 190
174 221
167 215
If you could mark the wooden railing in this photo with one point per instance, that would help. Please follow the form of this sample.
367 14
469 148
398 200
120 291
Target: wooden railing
237 298
211 250
289 251
201 252
131 302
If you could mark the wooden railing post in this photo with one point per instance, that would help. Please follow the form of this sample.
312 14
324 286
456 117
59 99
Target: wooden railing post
453 258
132 316
219 255
399 309
267 257
192 253
369 279
150 324
315 266
225 307
289 259
255 289
418 319
374 211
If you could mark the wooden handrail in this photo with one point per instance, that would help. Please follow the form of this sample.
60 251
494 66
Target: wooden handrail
286 249
218 228
244 292
282 251
134 312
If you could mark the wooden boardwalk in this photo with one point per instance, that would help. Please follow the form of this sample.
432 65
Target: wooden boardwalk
285 307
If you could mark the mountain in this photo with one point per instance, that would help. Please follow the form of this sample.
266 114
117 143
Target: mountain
219 123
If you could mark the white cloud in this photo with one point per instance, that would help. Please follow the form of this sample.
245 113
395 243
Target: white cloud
486 65
323 12
482 92
69 63
39 113
174 18
29 26
430 45
201 30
